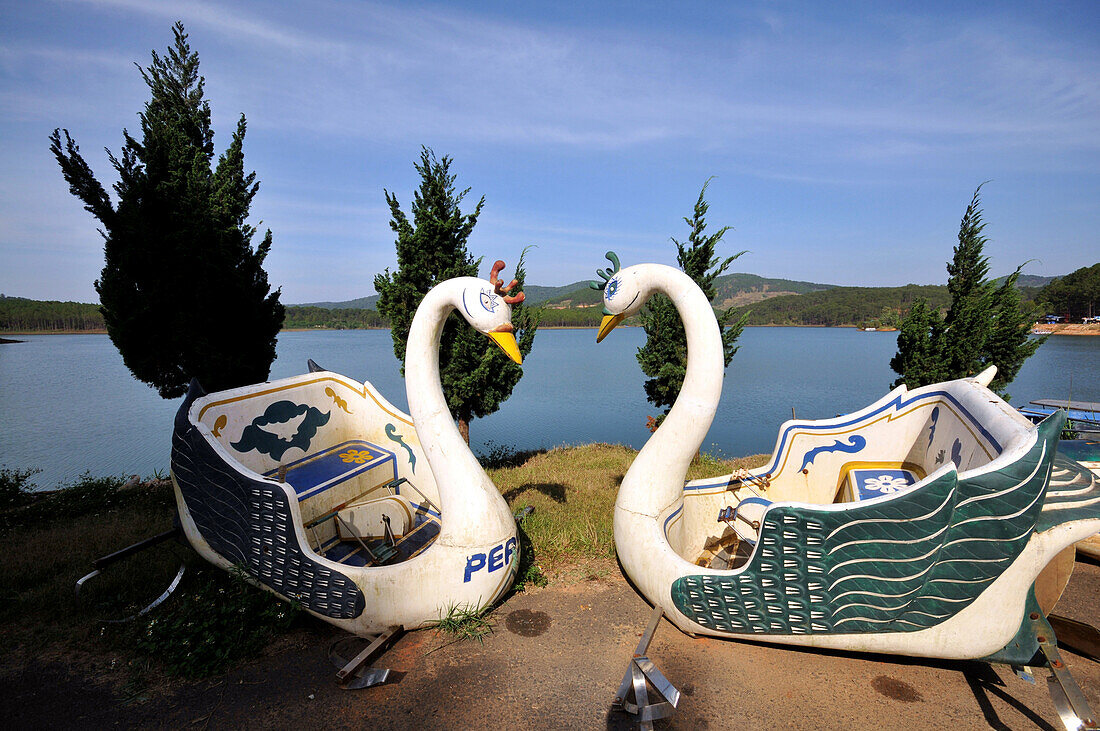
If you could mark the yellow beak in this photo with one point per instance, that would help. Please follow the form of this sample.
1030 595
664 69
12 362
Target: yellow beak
608 324
507 343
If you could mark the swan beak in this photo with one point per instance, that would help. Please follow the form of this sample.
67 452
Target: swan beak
608 324
507 343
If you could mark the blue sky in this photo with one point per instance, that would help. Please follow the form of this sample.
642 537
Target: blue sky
844 144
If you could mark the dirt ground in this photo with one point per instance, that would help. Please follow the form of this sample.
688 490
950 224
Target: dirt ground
1069 329
555 661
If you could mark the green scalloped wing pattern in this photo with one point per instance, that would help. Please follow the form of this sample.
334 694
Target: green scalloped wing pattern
1073 494
899 565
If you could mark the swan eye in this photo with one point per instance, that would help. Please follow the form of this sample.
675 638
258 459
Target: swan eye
612 288
489 301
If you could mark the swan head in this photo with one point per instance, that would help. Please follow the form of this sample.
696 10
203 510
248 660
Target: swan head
624 293
487 306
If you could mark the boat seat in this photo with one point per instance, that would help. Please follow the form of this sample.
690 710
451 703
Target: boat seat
380 551
867 482
335 476
750 513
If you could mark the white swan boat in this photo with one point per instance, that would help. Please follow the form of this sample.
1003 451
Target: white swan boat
917 525
324 493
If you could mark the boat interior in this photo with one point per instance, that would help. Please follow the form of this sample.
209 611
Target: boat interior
880 451
347 456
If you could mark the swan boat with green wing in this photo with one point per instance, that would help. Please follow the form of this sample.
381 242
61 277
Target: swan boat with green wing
918 525
320 490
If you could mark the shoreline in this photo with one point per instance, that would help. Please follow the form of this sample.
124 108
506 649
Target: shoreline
1072 329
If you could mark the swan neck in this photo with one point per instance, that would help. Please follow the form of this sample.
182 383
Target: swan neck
469 502
656 478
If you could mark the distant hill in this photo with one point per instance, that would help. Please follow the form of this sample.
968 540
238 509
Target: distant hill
536 294
363 303
732 289
840 306
771 302
1029 281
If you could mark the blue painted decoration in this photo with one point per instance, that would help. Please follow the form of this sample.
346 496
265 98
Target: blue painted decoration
315 473
489 301
855 444
932 428
876 482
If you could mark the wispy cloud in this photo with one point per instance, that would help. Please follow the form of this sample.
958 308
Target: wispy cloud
588 131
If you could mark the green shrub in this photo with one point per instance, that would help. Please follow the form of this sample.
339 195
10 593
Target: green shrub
217 619
86 494
15 486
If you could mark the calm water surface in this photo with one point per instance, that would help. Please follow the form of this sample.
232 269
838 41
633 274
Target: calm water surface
68 404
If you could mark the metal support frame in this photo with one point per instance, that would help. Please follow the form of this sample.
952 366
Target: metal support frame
352 675
101 564
640 670
1069 701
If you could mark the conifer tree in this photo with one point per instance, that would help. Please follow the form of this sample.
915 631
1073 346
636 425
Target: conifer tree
1009 343
917 352
477 376
664 356
1076 295
183 292
984 324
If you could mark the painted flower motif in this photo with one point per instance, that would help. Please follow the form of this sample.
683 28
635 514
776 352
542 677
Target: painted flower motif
356 456
886 484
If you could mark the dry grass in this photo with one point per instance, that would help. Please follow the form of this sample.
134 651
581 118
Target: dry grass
44 558
573 491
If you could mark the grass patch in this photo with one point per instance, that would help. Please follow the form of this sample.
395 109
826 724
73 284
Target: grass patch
51 541
216 619
465 623
573 491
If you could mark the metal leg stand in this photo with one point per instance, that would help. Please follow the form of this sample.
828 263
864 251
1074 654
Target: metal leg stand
352 674
640 670
1068 699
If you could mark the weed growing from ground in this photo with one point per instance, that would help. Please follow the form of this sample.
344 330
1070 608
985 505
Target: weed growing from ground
85 495
464 622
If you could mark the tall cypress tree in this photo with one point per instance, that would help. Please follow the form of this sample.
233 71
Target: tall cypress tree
476 375
984 324
968 324
664 356
183 292
1009 344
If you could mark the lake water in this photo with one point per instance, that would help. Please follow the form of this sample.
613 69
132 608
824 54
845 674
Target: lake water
68 404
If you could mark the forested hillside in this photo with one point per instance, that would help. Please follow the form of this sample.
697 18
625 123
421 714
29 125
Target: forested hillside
844 306
24 315
298 318
573 305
